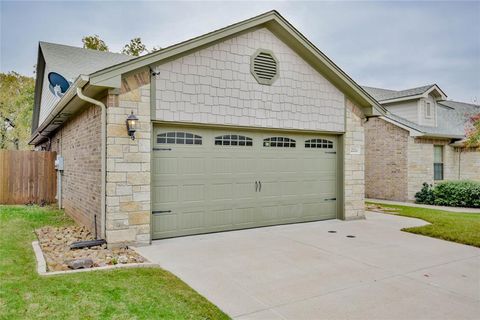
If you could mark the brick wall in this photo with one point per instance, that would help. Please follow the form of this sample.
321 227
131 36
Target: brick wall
214 86
128 163
79 142
386 160
354 164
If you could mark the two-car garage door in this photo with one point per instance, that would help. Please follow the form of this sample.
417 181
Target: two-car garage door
207 180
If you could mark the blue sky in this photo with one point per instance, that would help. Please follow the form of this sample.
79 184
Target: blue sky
394 45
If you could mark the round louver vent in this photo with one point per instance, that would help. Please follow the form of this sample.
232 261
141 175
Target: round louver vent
264 66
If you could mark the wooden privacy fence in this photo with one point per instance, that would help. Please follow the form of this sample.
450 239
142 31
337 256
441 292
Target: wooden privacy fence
27 177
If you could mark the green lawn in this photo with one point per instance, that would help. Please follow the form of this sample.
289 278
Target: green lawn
118 294
452 226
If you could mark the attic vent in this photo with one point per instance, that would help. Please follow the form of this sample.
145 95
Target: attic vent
264 67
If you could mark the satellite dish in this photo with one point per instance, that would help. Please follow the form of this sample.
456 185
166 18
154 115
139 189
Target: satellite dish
58 84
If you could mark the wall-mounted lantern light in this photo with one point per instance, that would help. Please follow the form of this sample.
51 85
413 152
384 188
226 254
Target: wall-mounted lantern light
132 122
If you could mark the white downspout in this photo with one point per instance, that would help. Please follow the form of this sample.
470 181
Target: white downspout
103 156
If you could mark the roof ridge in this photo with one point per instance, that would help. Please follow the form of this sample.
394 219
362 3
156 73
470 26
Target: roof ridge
425 86
85 49
379 88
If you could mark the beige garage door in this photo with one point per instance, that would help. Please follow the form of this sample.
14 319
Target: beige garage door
207 180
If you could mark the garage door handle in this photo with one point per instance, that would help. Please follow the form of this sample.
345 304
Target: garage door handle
256 186
330 199
260 186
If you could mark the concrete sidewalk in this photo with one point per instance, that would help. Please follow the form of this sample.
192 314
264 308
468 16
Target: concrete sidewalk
306 271
410 204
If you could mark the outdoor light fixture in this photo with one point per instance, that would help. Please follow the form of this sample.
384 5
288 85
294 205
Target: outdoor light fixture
132 122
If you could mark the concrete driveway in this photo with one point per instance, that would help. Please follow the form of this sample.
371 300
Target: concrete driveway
302 271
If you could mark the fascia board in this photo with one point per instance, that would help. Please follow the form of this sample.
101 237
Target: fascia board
80 82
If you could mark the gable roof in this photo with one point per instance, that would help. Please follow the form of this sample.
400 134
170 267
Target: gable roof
277 25
452 120
73 61
387 95
70 62
110 76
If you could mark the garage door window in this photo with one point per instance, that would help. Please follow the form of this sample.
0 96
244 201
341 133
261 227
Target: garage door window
233 140
178 138
281 142
319 143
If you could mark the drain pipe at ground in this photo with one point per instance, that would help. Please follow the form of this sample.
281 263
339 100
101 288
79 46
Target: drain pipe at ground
103 155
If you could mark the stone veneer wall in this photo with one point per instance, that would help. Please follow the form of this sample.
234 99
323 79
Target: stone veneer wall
385 160
469 159
420 162
78 141
354 164
470 164
128 163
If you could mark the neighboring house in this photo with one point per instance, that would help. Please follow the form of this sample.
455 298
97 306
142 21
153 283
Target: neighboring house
420 139
247 126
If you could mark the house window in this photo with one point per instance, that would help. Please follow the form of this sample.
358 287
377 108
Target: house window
233 140
438 163
428 110
178 138
281 142
319 143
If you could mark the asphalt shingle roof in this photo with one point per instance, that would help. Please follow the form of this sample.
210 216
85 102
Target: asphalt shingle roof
73 61
385 94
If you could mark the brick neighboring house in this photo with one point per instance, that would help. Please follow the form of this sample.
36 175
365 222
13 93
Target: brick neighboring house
247 126
420 139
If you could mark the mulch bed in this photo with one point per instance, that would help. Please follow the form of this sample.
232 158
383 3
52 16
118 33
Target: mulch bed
55 244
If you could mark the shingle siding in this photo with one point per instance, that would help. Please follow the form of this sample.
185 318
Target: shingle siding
214 85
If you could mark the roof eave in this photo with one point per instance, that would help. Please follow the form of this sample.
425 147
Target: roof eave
56 118
406 98
442 135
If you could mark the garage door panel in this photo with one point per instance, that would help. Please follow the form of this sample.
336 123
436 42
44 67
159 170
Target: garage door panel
191 220
290 188
165 167
192 192
222 165
245 217
219 219
192 165
210 187
165 194
222 191
164 223
318 209
244 190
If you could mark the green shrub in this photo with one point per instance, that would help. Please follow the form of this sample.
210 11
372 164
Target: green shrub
425 195
457 194
450 193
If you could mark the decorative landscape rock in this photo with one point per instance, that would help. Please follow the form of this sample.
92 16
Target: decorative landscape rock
55 244
83 263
